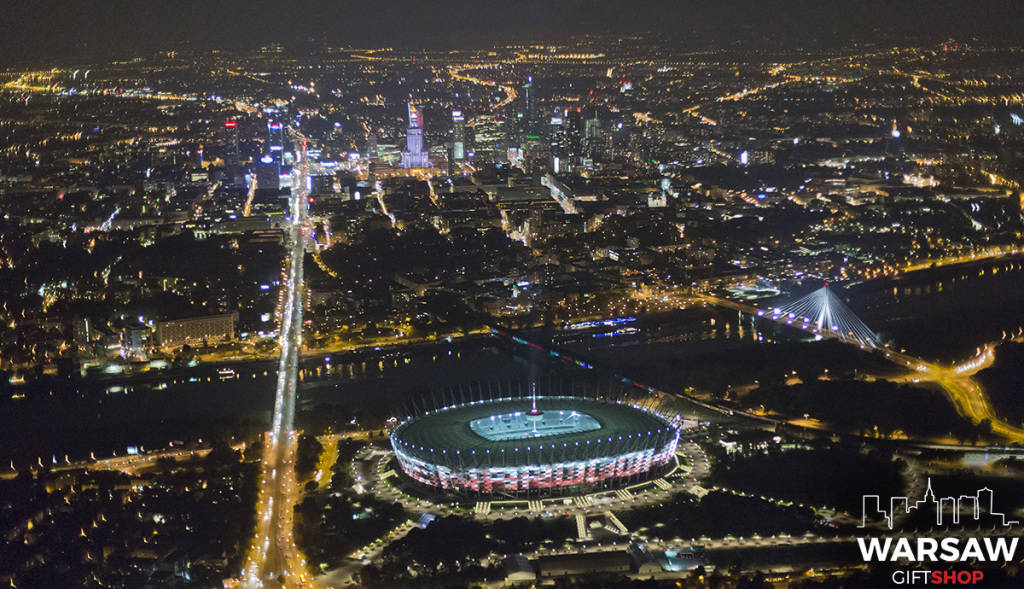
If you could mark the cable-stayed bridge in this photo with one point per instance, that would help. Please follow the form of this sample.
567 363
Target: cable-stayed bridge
824 314
821 313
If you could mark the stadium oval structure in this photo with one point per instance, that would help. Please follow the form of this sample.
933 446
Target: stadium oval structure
551 445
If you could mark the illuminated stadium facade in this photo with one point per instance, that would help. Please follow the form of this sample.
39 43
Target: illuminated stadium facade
517 445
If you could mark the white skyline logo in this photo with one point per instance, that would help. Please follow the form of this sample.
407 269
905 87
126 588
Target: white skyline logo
984 498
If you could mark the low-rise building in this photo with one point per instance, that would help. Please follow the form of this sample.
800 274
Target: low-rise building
518 568
560 565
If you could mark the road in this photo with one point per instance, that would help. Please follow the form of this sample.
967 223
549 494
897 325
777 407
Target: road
131 463
970 401
274 560
952 260
510 92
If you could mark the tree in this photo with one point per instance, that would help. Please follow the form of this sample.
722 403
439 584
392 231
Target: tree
985 426
307 455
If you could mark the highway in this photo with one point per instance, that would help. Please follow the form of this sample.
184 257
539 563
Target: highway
952 260
131 463
971 402
273 560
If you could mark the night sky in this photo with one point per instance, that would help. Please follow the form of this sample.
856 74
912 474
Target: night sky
32 30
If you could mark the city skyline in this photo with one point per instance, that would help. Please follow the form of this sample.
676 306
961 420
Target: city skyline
493 295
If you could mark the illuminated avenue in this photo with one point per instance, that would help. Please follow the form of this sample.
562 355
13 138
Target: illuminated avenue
273 555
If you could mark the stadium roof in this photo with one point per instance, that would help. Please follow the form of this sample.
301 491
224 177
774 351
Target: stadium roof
445 436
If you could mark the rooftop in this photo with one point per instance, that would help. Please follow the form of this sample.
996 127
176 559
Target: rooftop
586 426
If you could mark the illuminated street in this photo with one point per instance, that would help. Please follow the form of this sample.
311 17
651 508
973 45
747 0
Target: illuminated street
273 559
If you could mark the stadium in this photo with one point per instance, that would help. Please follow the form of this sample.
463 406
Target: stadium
533 445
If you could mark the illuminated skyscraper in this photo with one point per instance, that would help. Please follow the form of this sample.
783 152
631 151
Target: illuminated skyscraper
529 104
491 138
414 156
458 136
275 140
268 173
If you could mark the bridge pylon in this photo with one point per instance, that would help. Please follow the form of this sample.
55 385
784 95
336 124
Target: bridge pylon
823 312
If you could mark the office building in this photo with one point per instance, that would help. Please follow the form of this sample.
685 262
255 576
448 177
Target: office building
232 158
275 140
458 136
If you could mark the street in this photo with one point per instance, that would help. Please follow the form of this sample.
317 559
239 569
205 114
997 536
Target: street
274 560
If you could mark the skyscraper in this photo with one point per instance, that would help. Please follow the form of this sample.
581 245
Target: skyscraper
232 159
529 104
275 140
268 173
458 136
371 147
592 129
414 156
491 138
